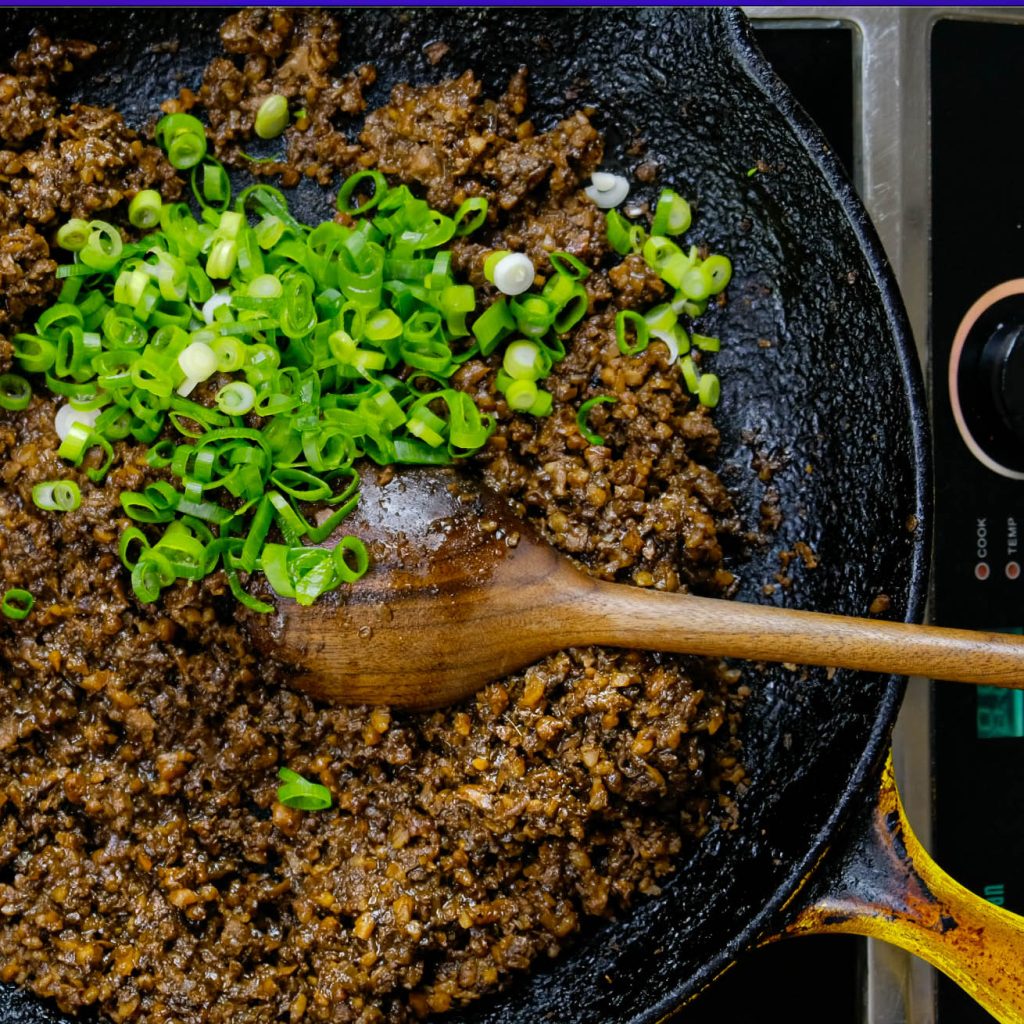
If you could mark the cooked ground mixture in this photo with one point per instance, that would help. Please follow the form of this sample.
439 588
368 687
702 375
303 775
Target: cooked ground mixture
145 866
57 163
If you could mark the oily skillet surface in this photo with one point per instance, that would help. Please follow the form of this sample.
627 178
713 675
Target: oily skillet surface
834 402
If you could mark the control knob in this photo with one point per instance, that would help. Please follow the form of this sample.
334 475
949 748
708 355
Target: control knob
986 379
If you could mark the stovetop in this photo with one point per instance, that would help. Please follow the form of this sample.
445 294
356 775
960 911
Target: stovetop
920 105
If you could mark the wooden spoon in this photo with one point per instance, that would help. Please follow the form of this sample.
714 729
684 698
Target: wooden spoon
460 592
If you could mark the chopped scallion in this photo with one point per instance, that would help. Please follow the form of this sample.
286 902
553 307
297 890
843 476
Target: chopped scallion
144 209
525 361
706 344
672 215
272 117
236 398
625 319
17 603
300 794
339 342
183 138
708 390
15 392
690 374
607 190
73 235
57 495
513 274
521 394
581 418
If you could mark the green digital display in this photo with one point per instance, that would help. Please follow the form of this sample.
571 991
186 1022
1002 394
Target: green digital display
1000 712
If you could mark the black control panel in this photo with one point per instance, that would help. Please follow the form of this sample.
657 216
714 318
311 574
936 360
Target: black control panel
977 390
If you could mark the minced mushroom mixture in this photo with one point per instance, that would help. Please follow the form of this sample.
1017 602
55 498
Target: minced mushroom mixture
145 867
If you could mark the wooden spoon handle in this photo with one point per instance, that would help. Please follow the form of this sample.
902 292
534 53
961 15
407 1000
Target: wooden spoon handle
622 616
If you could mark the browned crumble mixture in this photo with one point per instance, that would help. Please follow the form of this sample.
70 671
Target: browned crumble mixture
56 164
145 867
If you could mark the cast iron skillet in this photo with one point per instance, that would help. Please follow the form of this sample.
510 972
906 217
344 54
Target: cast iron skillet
835 400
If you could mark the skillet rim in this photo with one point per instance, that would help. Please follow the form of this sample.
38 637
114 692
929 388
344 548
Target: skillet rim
859 789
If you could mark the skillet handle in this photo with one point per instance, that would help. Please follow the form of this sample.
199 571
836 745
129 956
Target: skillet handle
887 887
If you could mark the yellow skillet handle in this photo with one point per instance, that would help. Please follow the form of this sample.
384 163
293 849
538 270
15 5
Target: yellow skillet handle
889 888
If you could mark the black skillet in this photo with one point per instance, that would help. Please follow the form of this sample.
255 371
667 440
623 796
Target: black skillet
820 377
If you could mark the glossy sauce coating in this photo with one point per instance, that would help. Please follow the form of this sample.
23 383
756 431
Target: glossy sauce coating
145 867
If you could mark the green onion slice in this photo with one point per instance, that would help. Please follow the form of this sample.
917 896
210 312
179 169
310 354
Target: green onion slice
697 282
183 139
690 374
470 215
126 546
144 209
236 398
73 235
526 360
708 390
351 559
152 573
623 237
103 246
706 344
542 404
57 495
624 320
17 603
719 269
15 392
355 182
300 794
272 117
493 324
521 394
569 265
581 418
672 215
